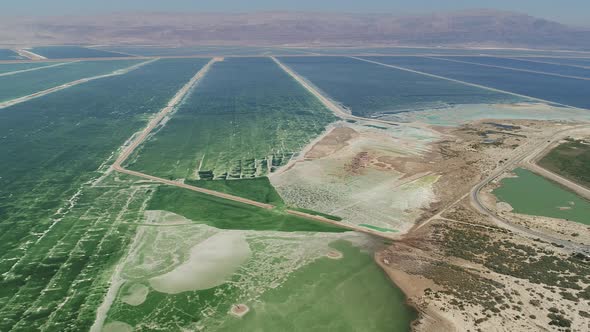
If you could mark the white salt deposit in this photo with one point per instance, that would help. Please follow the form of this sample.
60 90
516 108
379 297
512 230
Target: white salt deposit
210 263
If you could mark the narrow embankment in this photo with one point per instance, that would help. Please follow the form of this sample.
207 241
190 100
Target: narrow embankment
29 55
524 159
531 162
71 84
463 82
36 68
509 68
331 105
127 151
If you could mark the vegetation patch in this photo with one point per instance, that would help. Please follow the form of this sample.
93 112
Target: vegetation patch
380 229
225 214
257 189
316 213
246 118
61 231
571 160
531 194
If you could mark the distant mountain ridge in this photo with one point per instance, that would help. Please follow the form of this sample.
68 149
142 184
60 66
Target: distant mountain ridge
466 28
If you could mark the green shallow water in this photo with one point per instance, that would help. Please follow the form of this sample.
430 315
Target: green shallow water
347 294
380 229
534 195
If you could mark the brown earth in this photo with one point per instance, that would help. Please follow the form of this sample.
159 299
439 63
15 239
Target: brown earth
334 141
465 273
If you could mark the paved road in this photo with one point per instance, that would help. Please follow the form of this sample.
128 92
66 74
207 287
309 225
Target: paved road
528 154
530 162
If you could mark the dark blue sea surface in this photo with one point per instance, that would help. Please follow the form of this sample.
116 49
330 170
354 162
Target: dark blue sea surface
204 50
565 61
525 65
567 91
6 54
370 90
73 52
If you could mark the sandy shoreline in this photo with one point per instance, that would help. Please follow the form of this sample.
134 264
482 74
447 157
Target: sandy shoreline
413 288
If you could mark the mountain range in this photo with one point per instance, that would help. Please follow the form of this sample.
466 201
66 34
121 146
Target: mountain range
484 28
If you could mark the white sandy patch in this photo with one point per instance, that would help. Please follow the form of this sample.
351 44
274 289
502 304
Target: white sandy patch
210 264
159 217
117 327
458 114
503 206
334 254
136 294
239 310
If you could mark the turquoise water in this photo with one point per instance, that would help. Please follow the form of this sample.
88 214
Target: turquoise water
532 194
347 294
74 52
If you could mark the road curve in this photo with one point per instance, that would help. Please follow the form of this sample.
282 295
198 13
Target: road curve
530 162
476 202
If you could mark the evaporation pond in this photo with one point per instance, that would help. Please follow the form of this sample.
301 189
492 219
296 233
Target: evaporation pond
534 195
347 294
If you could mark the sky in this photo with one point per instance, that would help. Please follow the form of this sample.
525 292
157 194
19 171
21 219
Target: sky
566 11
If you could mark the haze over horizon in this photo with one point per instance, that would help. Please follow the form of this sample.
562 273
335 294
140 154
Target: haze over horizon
571 12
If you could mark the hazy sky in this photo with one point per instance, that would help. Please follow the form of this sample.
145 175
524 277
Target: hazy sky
566 11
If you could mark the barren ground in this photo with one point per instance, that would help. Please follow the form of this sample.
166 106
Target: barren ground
461 270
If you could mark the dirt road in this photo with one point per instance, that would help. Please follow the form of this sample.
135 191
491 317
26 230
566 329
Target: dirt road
117 165
530 162
524 158
520 157
330 104
158 118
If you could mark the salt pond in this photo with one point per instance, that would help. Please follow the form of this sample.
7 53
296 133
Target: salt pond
532 194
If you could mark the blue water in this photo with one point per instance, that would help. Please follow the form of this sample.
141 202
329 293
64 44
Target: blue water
9 55
526 65
202 50
555 89
8 67
435 51
73 52
566 61
369 90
